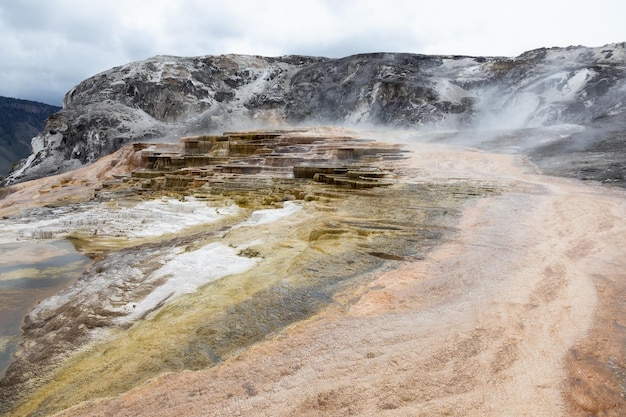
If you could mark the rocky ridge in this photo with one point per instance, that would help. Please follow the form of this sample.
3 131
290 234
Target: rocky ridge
164 97
20 120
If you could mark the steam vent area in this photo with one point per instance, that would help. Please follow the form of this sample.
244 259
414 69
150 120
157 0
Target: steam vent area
237 161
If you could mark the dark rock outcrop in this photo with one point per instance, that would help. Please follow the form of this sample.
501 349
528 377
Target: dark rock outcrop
164 97
20 120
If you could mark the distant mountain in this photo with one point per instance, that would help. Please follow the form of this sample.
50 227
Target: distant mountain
20 121
165 96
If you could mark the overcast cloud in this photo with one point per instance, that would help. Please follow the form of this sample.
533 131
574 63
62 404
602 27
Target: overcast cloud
48 46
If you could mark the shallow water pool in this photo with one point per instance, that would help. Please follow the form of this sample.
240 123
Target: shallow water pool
29 272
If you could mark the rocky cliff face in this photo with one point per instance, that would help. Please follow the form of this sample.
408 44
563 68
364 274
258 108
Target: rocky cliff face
165 96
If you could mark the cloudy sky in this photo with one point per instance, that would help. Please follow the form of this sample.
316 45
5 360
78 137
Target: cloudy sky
48 46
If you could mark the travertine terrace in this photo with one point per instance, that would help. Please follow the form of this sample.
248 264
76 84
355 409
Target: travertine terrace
236 160
322 272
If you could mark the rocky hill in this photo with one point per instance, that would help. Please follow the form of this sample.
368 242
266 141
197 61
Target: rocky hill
20 121
166 96
322 270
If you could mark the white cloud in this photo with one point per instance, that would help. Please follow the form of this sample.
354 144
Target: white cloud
49 46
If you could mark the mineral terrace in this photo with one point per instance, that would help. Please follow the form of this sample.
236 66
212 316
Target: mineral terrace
322 272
